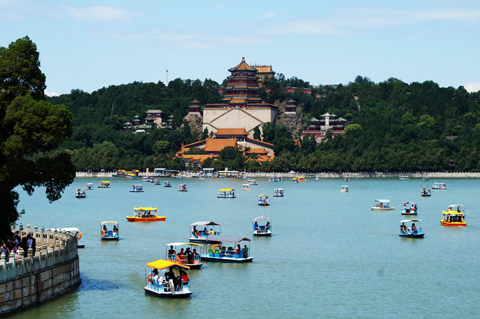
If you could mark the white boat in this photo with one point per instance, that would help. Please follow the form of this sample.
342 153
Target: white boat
174 252
104 184
109 234
167 184
245 187
382 204
262 230
410 230
439 186
136 188
182 188
409 208
218 253
80 193
252 182
425 191
226 193
89 186
278 192
173 285
199 235
263 200
404 178
344 189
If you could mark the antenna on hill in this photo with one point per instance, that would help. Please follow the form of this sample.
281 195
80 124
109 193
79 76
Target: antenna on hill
166 78
111 113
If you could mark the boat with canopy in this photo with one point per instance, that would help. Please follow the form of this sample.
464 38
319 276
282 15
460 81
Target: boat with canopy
190 257
409 208
439 186
454 216
80 193
217 252
252 182
245 187
104 184
182 188
109 234
136 188
89 186
382 204
262 226
411 230
278 192
344 189
263 200
200 231
167 184
145 214
172 284
425 192
226 193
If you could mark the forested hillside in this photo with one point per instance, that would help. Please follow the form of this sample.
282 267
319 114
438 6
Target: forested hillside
395 126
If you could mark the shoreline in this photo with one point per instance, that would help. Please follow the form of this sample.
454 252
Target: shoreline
313 175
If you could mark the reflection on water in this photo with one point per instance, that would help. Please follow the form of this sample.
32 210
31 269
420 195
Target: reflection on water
329 256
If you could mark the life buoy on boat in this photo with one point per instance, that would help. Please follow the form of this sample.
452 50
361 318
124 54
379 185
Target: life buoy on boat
78 234
219 247
409 231
150 278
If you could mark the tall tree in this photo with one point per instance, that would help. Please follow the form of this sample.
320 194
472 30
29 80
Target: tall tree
30 131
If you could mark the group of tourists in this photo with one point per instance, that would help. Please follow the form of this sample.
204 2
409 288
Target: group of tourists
265 228
197 233
404 229
184 256
105 231
170 281
14 246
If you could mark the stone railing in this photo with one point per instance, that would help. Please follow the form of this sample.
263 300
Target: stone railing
49 270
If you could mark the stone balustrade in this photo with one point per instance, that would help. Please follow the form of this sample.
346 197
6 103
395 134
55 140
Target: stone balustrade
49 270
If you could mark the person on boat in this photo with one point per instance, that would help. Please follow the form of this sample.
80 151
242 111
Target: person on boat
184 277
104 231
205 231
211 232
414 228
237 251
194 231
267 226
458 209
170 277
188 253
194 254
403 228
171 251
255 227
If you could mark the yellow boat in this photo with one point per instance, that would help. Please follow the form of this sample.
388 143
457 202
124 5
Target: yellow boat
164 287
145 214
454 216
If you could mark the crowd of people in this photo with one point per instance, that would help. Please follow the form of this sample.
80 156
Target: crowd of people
170 281
14 243
186 256
197 233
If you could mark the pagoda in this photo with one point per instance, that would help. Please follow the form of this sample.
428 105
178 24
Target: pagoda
194 108
242 87
291 107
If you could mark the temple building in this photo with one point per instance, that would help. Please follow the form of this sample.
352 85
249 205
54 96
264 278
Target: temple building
241 105
318 128
291 107
264 72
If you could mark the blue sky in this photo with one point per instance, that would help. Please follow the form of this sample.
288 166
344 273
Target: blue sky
92 44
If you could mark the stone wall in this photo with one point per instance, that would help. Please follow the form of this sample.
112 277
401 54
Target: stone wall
49 271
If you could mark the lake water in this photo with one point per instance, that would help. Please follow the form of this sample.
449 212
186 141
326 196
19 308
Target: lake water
330 255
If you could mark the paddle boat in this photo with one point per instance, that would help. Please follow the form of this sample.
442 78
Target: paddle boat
347 179
409 208
219 253
167 286
278 192
145 214
245 187
262 230
302 179
107 234
198 235
89 186
104 184
382 204
145 179
295 180
80 193
274 179
404 178
158 182
252 182
226 193
263 200
136 188
191 256
344 189
439 186
411 230
426 179
167 184
425 191
454 216
182 188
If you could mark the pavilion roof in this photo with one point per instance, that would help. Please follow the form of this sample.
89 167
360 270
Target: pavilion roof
243 66
231 131
214 145
257 151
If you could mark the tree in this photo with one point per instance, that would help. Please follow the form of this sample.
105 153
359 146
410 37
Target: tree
30 130
256 133
204 134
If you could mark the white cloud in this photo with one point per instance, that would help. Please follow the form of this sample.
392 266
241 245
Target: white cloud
47 93
269 14
472 87
97 13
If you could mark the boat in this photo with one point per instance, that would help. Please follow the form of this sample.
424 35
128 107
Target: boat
347 179
217 252
274 179
109 234
252 182
439 186
425 191
226 193
278 192
426 179
245 187
145 179
167 184
80 193
262 230
131 176
295 180
136 188
404 178
409 208
263 200
166 286
145 214
104 184
301 179
182 188
89 186
454 216
191 257
411 230
198 235
382 204
344 189
158 182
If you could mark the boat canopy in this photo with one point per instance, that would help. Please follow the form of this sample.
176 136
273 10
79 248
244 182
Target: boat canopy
226 239
182 185
244 184
410 220
278 189
89 183
262 195
261 217
204 224
411 203
455 206
382 200
105 182
109 222
226 190
425 188
439 183
145 208
345 186
183 244
162 264
80 189
137 185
